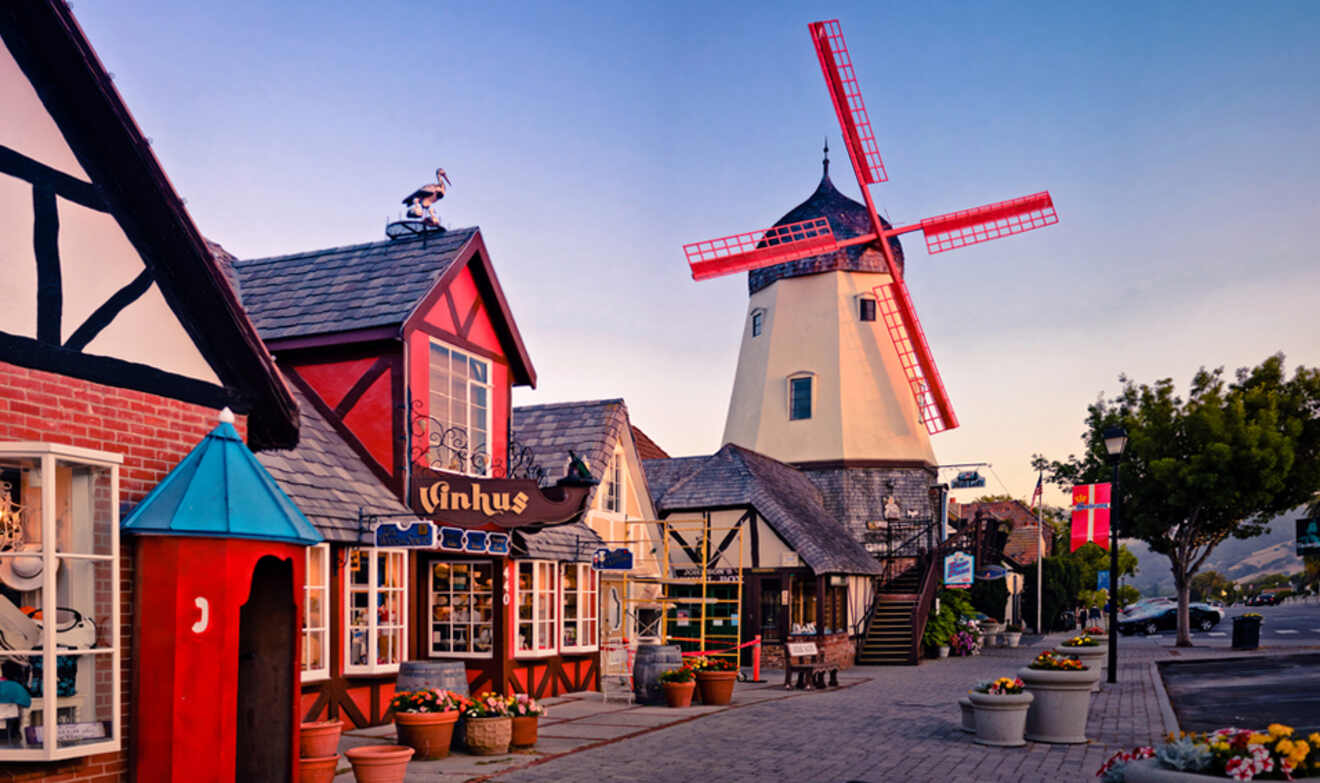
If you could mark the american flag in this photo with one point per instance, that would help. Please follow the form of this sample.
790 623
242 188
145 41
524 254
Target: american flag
1037 495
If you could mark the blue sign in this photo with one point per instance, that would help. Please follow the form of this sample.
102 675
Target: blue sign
612 560
1102 580
451 539
968 479
992 572
426 535
958 568
415 535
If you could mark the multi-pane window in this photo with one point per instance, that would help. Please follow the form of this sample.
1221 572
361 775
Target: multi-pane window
59 527
758 322
834 612
580 607
375 602
536 600
799 397
802 607
460 405
866 308
316 612
612 491
462 609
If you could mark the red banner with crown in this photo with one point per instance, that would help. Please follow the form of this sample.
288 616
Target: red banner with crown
1090 516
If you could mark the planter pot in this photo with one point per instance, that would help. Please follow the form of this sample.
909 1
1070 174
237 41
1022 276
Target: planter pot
1246 633
487 736
317 770
1093 658
1001 719
944 651
968 715
1150 771
716 687
524 731
1061 701
319 739
379 763
678 694
428 733
1013 638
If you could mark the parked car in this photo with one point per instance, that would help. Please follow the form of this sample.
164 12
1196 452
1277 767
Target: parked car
1166 619
1263 599
1209 606
1147 604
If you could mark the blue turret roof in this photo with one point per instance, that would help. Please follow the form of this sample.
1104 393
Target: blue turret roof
220 490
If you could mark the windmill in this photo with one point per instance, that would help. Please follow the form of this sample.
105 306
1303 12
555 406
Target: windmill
813 237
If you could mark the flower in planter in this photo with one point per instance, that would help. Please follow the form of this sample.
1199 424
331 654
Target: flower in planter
489 705
711 663
1013 628
1050 661
684 673
525 706
1112 770
1254 616
1240 754
1004 686
1081 641
429 700
1094 630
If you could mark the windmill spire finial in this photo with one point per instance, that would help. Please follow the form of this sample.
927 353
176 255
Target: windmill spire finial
826 162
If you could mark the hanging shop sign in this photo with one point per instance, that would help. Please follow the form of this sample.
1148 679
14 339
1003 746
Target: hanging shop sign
473 542
473 501
992 572
958 570
612 560
412 535
1308 537
968 479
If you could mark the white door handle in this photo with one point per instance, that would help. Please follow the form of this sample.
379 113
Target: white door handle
205 608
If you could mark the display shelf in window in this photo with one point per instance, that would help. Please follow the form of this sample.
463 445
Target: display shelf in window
580 608
536 601
376 610
462 609
316 605
59 602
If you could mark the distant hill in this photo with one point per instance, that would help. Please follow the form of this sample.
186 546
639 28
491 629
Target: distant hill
1239 559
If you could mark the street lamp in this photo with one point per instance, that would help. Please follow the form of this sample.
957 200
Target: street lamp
1115 442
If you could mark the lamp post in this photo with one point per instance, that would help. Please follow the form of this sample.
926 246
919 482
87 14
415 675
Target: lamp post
1115 442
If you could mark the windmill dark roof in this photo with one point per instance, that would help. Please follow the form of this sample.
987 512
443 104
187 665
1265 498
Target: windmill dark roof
327 480
345 288
847 219
784 496
589 428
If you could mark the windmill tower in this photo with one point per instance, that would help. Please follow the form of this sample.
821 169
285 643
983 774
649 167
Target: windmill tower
834 373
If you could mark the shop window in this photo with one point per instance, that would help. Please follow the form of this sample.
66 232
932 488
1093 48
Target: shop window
612 491
316 610
59 602
460 405
834 610
375 602
580 607
462 609
802 607
536 600
799 396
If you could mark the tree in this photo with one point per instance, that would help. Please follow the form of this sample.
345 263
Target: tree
1218 463
1212 585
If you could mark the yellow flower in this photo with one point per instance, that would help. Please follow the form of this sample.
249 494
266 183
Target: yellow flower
1280 730
1314 738
1222 746
1284 746
1257 738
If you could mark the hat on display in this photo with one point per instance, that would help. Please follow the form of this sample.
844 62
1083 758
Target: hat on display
22 571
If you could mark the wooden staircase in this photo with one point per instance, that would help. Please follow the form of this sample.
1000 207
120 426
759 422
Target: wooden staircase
888 640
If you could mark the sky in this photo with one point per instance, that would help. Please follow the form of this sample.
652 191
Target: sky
590 141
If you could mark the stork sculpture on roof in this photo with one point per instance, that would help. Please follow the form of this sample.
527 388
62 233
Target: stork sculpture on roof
420 202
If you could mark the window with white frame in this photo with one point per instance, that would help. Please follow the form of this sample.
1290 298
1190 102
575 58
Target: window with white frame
536 599
578 582
612 489
462 609
800 396
376 609
59 558
460 404
316 613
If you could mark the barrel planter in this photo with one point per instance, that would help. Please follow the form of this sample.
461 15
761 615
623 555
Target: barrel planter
318 739
379 763
968 715
1001 719
651 661
318 770
1150 771
1246 633
432 675
679 694
427 733
1093 658
524 731
1060 703
488 736
715 687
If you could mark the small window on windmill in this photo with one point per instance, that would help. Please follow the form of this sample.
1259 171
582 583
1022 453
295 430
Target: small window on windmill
758 322
799 397
866 308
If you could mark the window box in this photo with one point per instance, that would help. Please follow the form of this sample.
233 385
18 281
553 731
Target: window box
375 610
461 608
316 612
59 530
536 599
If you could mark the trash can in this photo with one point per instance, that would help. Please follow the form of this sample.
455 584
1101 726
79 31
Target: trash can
1246 632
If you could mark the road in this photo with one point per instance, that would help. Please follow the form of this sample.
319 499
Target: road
1286 625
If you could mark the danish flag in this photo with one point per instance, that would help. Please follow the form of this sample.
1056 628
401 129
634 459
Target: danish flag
1090 516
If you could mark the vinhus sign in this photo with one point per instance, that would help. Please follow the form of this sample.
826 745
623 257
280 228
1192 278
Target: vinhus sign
474 501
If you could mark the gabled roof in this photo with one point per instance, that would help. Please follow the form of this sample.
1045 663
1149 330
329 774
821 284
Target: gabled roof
220 490
48 45
588 428
785 497
329 481
647 448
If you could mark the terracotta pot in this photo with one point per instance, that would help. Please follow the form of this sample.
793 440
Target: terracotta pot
428 733
524 731
1001 719
319 739
487 736
678 694
317 770
716 687
1062 702
379 763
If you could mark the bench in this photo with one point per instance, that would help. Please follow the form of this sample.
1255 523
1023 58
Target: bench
808 662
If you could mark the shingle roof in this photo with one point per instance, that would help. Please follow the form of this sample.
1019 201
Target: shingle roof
574 542
345 288
589 428
785 497
647 448
328 480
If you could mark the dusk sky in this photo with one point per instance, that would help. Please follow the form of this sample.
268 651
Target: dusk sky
591 141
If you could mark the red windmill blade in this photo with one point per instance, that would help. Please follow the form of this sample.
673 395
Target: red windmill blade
780 244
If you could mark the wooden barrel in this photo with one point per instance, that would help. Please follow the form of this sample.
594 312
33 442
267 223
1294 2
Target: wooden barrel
423 675
651 661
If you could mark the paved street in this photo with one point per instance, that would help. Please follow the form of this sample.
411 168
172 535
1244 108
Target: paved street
1292 624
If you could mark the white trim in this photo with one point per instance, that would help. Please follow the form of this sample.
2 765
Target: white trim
486 385
472 625
588 627
538 591
374 554
29 448
322 552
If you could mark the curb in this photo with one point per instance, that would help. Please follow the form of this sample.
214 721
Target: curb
1167 716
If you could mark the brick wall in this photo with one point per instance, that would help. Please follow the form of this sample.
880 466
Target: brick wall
839 648
152 434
